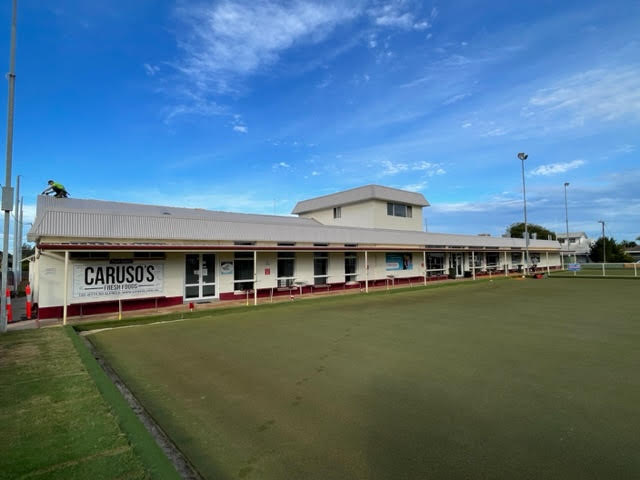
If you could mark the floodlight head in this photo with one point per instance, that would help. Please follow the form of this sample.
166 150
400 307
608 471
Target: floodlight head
523 156
566 184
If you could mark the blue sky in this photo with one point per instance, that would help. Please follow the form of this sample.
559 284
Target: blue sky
251 106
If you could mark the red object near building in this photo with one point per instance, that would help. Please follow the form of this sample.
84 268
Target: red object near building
9 310
27 291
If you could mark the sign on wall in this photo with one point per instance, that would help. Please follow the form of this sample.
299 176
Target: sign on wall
226 268
399 261
107 280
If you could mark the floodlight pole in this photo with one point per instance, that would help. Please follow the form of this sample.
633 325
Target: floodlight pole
604 243
16 219
7 190
566 215
523 156
20 230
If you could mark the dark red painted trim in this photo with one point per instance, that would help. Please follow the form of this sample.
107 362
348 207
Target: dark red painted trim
111 306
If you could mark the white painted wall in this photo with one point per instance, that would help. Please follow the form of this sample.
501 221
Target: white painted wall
48 286
369 214
49 279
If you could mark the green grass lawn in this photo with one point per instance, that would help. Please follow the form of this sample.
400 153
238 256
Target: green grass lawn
506 379
54 423
593 270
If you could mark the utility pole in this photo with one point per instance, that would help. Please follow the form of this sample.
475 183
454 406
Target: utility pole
566 217
7 190
16 219
604 243
20 230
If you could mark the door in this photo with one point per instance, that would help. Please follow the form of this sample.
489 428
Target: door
199 276
459 261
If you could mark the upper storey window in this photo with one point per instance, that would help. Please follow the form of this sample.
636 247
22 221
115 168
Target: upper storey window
399 210
337 212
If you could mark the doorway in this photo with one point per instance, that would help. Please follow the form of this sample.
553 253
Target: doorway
199 276
458 263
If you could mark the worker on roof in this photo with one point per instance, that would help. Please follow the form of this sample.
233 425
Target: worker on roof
56 188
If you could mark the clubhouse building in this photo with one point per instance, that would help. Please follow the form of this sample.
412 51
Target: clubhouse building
97 256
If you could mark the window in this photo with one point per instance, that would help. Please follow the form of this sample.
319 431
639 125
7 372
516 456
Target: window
477 260
286 244
350 266
337 212
286 268
244 243
149 255
89 255
516 258
320 268
435 263
399 210
492 259
535 258
243 271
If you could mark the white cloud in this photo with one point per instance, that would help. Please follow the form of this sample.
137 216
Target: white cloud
554 168
467 125
226 40
423 166
315 174
240 128
281 165
395 14
456 98
421 25
150 70
627 148
325 82
495 132
415 187
391 168
434 13
602 94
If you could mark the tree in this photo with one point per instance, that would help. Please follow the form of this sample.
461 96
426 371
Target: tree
516 230
628 244
614 251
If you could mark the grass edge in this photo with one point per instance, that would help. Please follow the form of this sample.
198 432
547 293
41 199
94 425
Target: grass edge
151 455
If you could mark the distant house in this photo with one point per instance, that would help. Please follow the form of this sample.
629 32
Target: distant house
578 246
633 252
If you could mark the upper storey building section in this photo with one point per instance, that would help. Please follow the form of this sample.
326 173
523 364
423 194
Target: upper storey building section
371 206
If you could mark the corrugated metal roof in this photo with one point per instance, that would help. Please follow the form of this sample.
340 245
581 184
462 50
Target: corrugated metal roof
572 235
93 219
368 192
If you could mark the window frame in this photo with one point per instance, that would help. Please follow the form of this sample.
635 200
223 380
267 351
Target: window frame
290 259
322 278
350 276
239 258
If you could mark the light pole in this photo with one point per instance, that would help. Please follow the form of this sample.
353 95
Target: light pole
523 156
604 243
566 215
7 190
